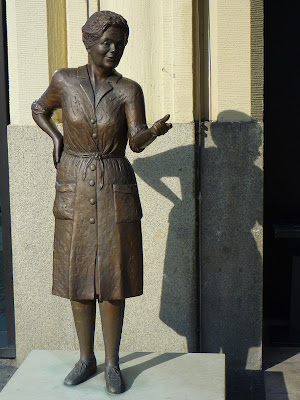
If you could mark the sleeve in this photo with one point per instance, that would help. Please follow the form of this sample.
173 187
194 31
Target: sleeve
135 114
51 98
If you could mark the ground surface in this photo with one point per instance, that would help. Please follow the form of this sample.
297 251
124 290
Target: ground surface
7 369
280 379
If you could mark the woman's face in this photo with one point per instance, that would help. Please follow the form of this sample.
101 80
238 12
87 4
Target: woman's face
108 50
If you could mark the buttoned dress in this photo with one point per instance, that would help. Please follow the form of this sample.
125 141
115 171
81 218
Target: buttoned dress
97 252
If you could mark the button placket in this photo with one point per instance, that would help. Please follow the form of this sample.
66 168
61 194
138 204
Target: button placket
94 133
91 193
92 200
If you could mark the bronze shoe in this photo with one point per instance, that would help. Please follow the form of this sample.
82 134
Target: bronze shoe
114 380
81 372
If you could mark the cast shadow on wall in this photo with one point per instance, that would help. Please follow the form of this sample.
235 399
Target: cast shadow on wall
178 298
231 188
231 219
231 267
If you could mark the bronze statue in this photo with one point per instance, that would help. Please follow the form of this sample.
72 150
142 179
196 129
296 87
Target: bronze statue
97 244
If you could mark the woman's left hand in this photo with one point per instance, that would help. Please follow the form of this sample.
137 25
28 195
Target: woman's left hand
160 127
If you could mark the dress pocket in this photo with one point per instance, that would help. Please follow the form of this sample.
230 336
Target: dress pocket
127 203
64 201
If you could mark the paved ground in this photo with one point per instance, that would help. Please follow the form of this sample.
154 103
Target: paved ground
280 379
7 369
245 386
282 373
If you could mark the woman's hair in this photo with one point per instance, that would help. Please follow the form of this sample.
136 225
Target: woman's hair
98 23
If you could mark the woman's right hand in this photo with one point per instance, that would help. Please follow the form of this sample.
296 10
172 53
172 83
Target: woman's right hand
57 150
45 122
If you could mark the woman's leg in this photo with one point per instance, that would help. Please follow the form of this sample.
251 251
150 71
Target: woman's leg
84 313
112 313
84 318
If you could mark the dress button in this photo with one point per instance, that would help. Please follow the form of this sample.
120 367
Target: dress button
92 201
91 182
93 167
92 220
93 120
94 135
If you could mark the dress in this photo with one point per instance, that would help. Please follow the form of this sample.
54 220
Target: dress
97 250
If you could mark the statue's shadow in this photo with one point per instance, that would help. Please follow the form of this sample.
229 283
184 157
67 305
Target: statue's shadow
179 291
231 262
231 188
132 372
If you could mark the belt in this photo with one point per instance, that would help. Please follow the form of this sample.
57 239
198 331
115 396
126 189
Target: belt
94 156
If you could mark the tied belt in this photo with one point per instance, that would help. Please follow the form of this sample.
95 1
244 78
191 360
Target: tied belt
91 157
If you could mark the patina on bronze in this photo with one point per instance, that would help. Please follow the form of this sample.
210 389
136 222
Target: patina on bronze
97 243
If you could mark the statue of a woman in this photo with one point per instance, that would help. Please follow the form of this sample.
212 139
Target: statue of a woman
97 243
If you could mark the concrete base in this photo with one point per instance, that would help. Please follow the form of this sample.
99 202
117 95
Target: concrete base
147 376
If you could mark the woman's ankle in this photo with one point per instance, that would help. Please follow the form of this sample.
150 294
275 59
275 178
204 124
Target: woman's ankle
88 358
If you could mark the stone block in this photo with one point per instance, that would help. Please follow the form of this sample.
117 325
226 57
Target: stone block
147 376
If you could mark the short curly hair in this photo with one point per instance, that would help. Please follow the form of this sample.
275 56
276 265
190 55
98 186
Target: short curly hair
98 23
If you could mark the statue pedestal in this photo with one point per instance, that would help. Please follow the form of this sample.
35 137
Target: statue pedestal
147 376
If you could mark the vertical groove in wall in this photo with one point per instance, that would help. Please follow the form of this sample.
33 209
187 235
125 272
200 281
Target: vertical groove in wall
57 39
196 103
201 114
257 60
200 60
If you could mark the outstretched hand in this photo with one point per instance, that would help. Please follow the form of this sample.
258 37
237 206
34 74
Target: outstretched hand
160 127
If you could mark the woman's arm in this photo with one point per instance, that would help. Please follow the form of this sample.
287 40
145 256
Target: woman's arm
47 125
140 136
42 110
146 137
